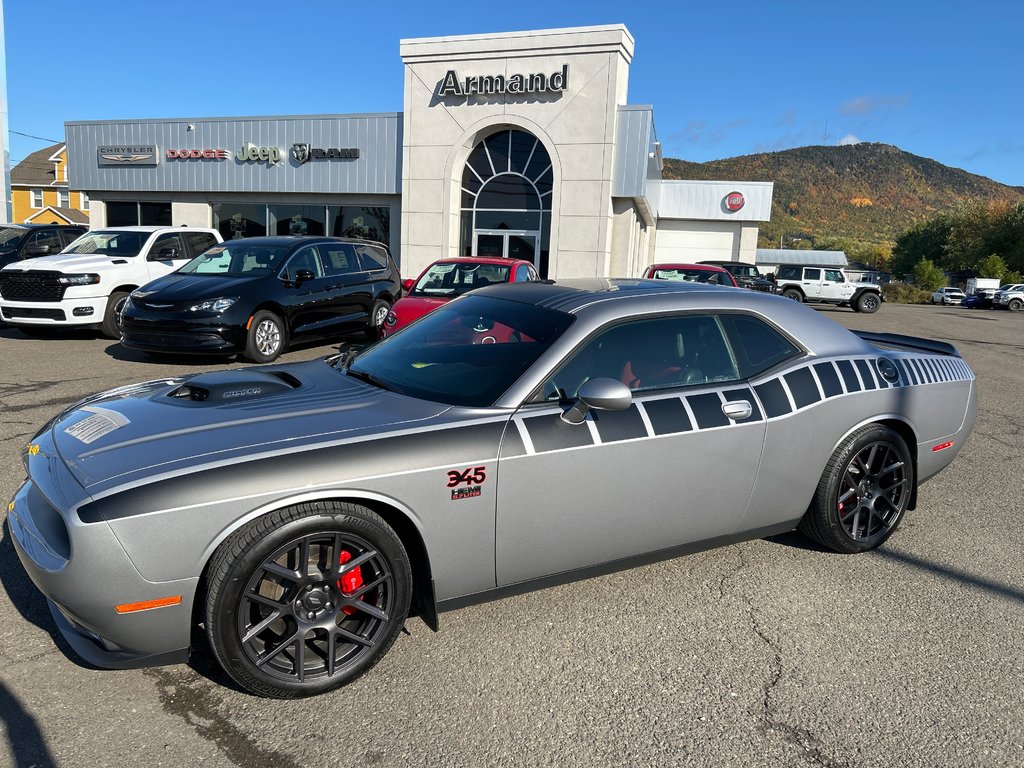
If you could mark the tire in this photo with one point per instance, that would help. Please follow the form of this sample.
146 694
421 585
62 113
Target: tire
255 575
111 327
868 303
794 294
378 312
1015 305
266 338
863 493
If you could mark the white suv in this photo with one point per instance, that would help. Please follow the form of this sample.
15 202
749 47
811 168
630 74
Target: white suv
948 295
827 285
87 283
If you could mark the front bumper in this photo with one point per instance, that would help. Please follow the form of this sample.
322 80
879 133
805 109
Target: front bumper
152 332
84 572
87 310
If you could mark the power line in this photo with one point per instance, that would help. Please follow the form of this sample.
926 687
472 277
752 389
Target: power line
41 138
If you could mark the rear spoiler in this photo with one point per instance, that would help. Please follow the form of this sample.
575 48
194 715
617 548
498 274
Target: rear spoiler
908 342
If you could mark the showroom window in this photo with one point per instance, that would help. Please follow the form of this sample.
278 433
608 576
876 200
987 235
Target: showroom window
122 214
506 199
370 222
295 219
235 220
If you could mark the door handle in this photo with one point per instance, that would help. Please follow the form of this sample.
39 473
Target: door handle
737 410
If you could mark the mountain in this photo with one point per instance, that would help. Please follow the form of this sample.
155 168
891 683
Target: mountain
864 194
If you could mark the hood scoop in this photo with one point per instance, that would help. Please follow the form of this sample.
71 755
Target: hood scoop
233 387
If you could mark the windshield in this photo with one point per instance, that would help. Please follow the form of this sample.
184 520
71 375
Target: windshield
10 237
469 352
237 260
109 243
745 271
692 276
456 278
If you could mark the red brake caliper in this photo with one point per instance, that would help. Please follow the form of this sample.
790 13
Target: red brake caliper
350 581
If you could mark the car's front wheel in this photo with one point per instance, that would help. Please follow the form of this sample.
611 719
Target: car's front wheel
266 337
863 492
306 599
868 303
111 326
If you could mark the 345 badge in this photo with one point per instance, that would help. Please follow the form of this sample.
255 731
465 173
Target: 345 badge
472 478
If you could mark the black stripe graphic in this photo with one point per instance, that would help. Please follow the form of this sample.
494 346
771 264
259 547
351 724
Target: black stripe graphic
550 433
829 379
801 384
707 409
732 395
613 426
668 416
773 398
922 377
865 374
849 377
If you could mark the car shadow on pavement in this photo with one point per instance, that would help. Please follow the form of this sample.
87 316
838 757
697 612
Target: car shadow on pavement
27 745
119 352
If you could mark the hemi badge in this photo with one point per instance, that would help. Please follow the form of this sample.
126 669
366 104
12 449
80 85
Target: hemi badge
942 446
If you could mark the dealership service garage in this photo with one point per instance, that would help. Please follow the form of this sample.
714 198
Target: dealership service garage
518 144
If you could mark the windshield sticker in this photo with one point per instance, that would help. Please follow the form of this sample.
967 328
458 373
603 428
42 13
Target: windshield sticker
473 478
92 428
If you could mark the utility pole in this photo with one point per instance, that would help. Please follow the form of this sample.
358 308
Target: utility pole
5 188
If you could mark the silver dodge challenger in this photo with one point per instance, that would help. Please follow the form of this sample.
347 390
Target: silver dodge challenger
520 436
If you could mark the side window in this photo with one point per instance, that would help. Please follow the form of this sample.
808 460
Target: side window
371 258
648 355
833 276
339 258
68 236
534 277
307 259
168 246
48 237
200 241
789 273
756 344
812 274
522 273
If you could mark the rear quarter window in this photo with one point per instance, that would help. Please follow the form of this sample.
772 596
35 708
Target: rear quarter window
372 258
757 345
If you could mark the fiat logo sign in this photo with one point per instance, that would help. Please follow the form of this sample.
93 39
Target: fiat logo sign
734 201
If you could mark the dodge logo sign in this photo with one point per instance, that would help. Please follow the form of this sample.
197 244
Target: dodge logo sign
734 201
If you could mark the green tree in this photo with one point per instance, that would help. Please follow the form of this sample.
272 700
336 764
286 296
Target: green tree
926 240
928 276
992 266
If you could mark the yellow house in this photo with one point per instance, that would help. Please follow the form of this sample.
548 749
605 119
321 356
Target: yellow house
39 190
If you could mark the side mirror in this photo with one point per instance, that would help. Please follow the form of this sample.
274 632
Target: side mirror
35 250
598 394
407 284
166 254
302 276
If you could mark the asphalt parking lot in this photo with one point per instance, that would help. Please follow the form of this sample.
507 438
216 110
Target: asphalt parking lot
767 653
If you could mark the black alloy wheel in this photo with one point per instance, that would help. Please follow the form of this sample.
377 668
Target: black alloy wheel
863 493
307 599
868 302
111 326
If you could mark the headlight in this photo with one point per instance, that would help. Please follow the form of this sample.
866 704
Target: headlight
213 305
78 279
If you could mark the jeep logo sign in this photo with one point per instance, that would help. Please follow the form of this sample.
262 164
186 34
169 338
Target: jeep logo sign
250 153
734 201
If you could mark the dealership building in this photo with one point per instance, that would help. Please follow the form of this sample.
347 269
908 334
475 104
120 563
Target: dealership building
518 144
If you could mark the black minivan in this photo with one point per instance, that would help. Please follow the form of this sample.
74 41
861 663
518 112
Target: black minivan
257 295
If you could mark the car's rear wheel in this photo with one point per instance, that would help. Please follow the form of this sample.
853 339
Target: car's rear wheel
306 599
111 327
378 313
792 293
266 338
1015 305
863 492
868 303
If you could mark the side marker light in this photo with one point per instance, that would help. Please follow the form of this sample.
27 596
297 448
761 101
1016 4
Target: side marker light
146 605
942 446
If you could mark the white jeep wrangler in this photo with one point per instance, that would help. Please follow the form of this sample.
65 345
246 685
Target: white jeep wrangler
827 285
87 283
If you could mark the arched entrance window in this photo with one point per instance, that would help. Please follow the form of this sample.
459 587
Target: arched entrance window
506 199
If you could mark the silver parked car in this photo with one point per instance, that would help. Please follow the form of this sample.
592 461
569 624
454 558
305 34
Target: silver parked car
516 437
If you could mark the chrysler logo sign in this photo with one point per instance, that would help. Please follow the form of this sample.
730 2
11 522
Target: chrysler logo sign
140 154
303 153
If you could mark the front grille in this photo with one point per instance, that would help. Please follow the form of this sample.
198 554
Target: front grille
154 306
183 341
12 313
31 286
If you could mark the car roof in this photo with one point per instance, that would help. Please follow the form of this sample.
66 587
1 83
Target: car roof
152 228
499 261
40 226
603 300
296 240
674 265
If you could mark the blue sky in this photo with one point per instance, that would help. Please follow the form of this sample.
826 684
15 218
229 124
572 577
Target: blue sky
726 78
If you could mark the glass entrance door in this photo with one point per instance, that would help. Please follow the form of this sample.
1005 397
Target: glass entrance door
509 244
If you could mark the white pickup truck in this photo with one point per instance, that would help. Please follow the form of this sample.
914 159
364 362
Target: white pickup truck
87 283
